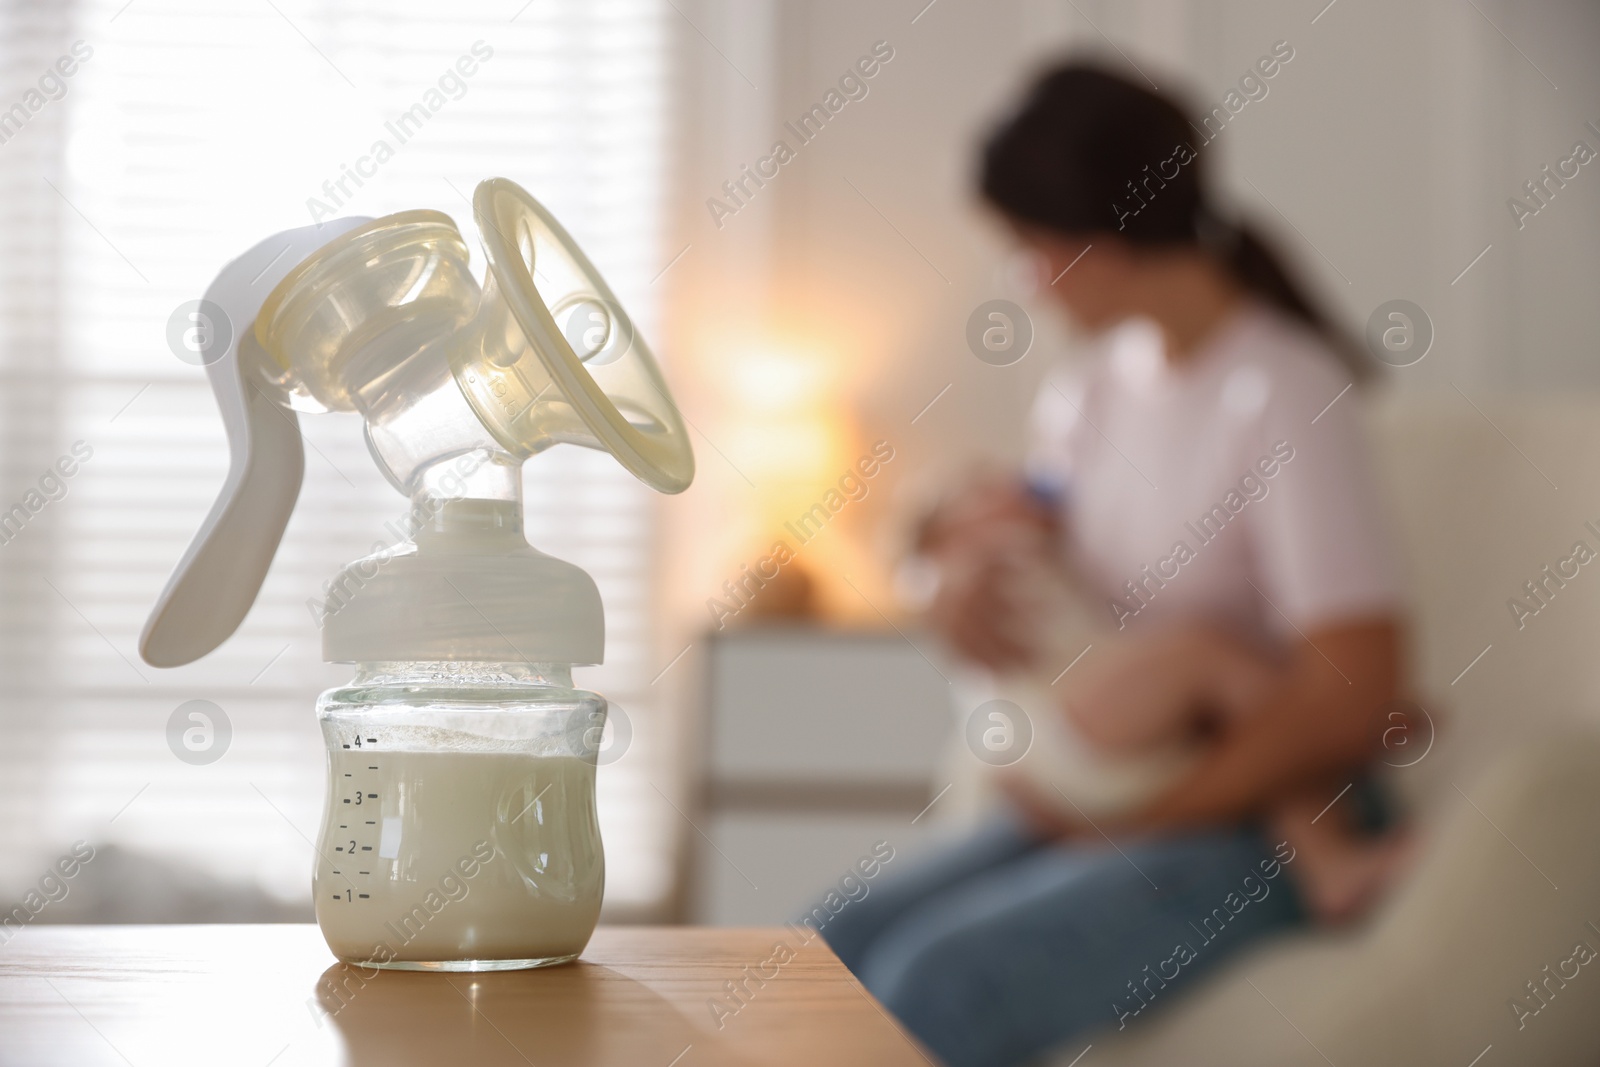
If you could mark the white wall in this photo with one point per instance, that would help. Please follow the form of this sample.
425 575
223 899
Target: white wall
1391 143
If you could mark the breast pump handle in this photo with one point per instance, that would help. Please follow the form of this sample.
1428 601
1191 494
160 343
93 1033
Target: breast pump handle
216 582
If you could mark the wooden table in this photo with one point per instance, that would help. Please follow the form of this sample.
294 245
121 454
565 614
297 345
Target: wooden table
250 996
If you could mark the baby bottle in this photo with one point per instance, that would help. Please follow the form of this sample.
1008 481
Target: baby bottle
459 829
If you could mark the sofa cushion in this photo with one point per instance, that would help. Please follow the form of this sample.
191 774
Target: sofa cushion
1505 894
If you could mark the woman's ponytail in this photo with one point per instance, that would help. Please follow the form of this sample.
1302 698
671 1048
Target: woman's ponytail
1090 152
1258 268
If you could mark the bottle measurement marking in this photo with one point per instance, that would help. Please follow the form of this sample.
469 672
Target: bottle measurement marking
358 796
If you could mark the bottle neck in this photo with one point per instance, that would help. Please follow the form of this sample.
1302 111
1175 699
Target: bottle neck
472 498
481 474
460 674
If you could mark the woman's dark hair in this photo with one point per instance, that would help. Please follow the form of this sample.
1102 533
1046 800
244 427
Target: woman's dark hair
1091 152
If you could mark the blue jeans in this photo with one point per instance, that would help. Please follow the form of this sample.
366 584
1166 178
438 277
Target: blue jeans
1004 946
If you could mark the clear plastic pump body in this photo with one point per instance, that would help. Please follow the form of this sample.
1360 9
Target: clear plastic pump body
460 831
388 321
367 326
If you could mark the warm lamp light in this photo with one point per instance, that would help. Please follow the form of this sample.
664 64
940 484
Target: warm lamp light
790 437
793 438
779 380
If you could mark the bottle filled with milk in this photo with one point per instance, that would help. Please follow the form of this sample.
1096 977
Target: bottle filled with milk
459 829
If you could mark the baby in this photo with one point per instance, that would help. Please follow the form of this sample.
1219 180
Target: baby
1082 764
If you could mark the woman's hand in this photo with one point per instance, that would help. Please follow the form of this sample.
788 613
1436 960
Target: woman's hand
976 613
1315 723
973 513
983 541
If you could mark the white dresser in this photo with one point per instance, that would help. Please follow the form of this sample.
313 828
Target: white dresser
818 744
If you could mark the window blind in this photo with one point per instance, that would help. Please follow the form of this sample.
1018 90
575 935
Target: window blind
193 131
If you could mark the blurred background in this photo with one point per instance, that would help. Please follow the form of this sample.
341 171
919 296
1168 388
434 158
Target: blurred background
767 739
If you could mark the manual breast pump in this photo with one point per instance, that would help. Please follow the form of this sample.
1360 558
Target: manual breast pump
459 831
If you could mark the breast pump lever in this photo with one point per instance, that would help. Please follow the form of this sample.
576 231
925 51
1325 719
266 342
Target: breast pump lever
382 317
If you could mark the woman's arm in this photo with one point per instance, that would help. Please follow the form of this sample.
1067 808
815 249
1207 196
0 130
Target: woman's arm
1155 689
1316 722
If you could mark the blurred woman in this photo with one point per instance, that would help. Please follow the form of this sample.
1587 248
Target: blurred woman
1202 476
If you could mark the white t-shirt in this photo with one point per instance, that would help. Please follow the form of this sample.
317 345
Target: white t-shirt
1224 487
